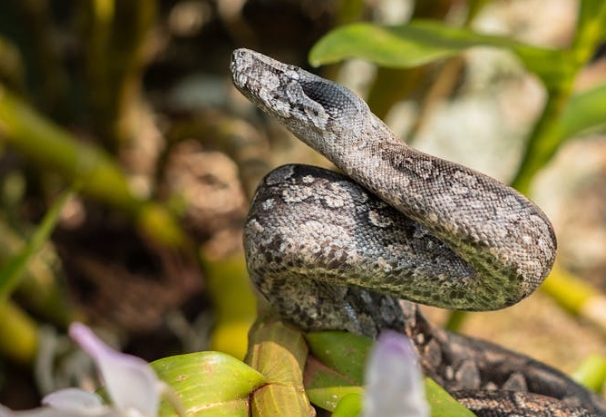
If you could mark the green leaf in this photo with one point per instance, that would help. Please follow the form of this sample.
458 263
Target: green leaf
234 303
583 112
441 403
11 271
592 373
279 352
19 335
336 367
343 352
209 383
591 20
42 141
50 146
18 332
424 41
325 387
349 406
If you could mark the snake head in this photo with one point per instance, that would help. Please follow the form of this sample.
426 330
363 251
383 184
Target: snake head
312 107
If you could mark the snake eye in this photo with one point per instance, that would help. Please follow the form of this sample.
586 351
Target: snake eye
334 98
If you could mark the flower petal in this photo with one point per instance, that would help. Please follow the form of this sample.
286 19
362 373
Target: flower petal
74 400
38 412
394 380
47 412
130 381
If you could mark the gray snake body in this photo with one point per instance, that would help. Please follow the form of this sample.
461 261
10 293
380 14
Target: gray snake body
331 251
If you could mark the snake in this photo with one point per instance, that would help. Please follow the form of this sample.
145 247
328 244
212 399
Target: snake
356 250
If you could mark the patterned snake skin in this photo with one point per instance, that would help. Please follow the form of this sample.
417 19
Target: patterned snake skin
332 251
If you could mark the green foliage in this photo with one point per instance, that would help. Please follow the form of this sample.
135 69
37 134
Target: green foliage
278 352
13 268
335 374
592 373
209 383
216 384
279 373
584 112
349 406
420 42
18 333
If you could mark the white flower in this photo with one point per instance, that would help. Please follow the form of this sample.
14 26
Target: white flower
394 382
130 382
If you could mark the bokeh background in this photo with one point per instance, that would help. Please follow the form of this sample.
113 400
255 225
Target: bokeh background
129 104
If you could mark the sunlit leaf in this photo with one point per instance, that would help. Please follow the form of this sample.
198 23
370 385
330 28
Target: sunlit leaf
11 271
279 352
228 283
349 406
421 42
592 16
209 383
583 112
343 352
592 373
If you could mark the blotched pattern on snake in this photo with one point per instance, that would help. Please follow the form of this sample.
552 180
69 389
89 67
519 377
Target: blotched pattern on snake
333 251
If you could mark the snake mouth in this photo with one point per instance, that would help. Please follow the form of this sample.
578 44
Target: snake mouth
280 89
290 91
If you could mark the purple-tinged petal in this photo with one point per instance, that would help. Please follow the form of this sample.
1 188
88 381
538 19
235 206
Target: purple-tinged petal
394 383
130 381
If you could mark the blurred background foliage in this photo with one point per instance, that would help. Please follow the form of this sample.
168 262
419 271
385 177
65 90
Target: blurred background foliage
127 158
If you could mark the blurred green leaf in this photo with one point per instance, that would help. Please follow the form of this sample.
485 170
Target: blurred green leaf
18 331
11 65
424 41
590 24
570 292
547 135
234 301
592 373
11 271
40 288
50 146
441 403
335 370
209 383
19 334
584 111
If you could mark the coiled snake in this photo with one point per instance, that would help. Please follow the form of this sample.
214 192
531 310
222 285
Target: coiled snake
333 251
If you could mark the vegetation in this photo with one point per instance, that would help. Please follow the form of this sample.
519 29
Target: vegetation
112 161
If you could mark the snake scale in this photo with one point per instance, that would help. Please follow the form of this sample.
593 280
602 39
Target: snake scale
344 251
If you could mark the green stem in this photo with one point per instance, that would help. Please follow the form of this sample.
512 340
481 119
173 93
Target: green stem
49 146
545 139
18 334
48 72
455 320
116 34
592 373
